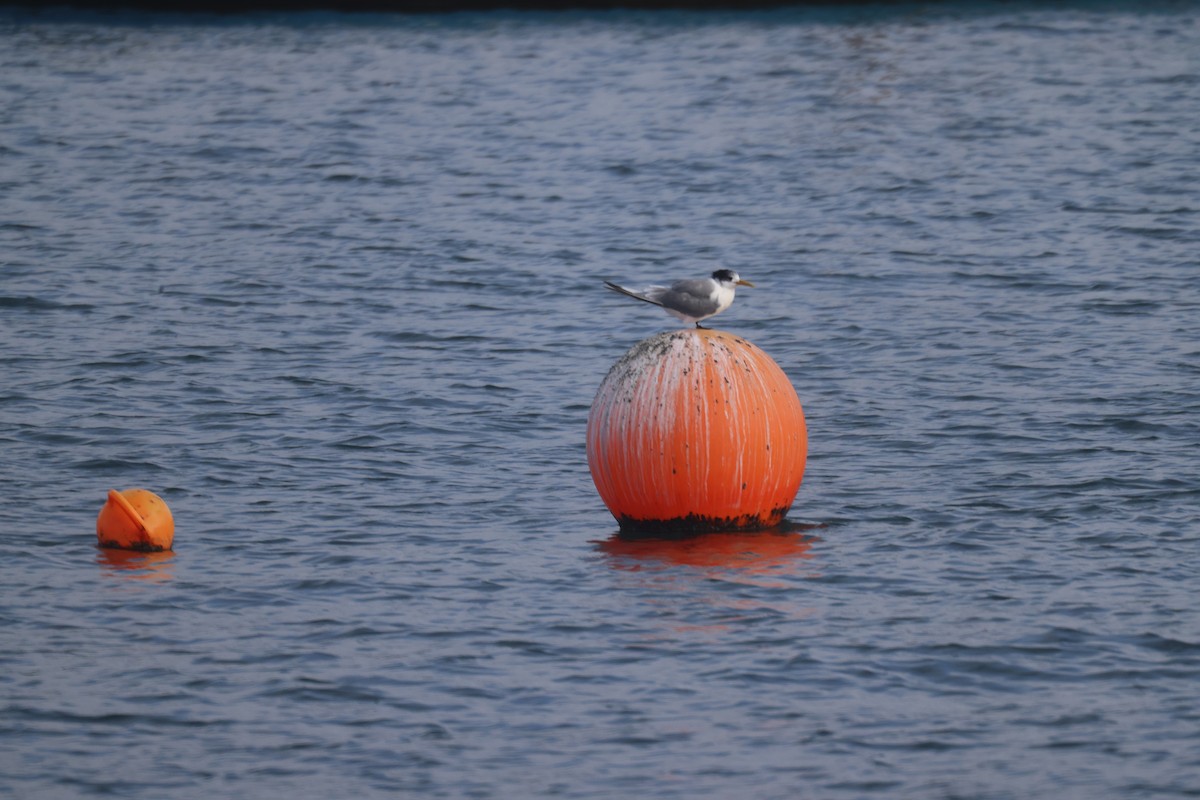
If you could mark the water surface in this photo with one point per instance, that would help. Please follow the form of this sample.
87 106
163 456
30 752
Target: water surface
332 286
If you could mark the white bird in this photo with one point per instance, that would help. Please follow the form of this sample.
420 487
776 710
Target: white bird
690 300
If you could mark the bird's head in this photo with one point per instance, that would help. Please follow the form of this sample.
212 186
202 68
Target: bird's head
728 277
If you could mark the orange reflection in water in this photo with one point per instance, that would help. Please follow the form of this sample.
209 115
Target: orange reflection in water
765 553
692 600
134 565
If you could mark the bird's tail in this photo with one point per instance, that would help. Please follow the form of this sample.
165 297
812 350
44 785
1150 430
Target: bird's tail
631 293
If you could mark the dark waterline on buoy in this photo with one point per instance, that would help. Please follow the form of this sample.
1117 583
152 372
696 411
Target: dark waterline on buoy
633 529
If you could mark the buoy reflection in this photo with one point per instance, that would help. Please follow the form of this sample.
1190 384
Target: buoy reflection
134 565
765 553
689 580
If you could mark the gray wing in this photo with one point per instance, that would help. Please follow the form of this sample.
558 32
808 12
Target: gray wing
650 295
692 297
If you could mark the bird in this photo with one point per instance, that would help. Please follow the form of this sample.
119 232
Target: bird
692 299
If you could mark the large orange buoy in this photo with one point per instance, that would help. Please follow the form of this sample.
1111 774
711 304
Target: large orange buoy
135 519
696 430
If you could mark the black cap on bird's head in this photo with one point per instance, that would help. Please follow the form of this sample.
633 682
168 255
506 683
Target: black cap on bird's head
729 276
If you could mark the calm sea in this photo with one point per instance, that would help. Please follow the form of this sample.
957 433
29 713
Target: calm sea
332 287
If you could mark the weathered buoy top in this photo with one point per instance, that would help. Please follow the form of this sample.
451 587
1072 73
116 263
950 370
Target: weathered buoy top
697 430
691 300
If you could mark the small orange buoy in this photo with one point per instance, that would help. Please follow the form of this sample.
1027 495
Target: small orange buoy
135 519
696 430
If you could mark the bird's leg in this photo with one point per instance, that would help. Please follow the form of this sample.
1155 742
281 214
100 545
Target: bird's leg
701 327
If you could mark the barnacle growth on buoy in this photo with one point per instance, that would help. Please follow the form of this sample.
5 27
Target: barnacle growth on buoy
135 519
694 431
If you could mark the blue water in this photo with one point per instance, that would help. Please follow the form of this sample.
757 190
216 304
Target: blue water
332 287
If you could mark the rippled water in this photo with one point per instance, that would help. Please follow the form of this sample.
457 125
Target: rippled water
332 286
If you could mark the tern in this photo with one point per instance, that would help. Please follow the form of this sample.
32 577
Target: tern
690 300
